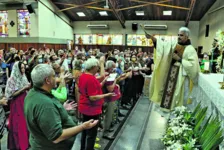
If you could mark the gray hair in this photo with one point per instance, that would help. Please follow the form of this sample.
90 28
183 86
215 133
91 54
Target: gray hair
109 64
185 30
90 63
40 73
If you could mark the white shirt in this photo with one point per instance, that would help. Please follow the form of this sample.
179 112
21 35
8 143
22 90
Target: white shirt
64 64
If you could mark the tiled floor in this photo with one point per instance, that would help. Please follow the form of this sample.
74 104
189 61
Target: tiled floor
154 131
131 133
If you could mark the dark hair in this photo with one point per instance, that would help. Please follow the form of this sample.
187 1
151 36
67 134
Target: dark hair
51 58
17 58
35 57
26 53
113 59
80 55
30 48
20 66
32 52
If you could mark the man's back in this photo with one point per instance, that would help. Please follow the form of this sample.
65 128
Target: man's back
46 118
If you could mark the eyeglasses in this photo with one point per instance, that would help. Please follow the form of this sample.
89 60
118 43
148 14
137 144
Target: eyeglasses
180 35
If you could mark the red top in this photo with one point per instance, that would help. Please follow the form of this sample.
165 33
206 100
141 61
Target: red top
89 86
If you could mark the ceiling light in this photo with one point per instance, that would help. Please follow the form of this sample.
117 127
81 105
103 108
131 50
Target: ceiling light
167 13
140 13
81 14
103 13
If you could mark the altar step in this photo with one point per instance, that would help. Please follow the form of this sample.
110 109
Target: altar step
154 131
132 132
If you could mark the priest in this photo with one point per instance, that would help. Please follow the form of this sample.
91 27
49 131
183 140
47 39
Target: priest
175 72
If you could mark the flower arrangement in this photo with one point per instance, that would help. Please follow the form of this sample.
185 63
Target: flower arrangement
190 131
220 38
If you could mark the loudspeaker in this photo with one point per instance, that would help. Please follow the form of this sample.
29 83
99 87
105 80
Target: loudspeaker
134 26
207 31
30 8
200 49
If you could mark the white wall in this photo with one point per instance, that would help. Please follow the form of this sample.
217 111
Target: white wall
50 25
215 21
80 27
13 31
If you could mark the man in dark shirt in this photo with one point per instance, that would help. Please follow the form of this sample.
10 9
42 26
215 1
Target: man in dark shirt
50 126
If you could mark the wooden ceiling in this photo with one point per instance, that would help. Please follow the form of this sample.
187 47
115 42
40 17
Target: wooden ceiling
153 9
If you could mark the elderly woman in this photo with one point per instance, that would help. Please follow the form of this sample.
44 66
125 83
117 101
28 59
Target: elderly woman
16 88
90 101
111 86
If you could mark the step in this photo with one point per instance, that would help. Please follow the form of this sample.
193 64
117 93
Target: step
131 132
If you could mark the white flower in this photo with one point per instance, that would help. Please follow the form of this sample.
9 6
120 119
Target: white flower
192 142
175 146
220 37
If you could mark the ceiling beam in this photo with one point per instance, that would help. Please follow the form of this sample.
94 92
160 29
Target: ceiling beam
84 5
76 6
143 5
117 13
190 12
163 5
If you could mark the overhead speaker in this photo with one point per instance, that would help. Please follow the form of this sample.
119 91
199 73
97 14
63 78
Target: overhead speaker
200 49
134 26
30 8
207 31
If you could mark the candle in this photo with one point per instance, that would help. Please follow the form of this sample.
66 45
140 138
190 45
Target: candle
206 66
223 79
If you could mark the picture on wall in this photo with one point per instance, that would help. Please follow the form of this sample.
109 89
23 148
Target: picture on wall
141 40
132 40
89 39
167 37
117 39
78 39
3 23
107 39
23 23
99 39
138 40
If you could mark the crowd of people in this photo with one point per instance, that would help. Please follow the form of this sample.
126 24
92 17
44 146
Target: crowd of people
42 89
54 95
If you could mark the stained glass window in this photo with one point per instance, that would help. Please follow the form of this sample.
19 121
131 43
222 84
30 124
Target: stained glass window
3 23
23 23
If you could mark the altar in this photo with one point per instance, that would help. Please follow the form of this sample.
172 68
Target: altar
210 95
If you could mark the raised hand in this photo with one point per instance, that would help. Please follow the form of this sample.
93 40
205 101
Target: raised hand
4 101
102 59
67 75
70 106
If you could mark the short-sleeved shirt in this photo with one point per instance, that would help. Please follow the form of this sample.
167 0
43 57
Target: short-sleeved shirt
89 86
46 118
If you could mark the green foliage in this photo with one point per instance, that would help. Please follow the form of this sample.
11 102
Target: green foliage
186 129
